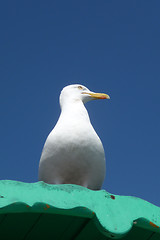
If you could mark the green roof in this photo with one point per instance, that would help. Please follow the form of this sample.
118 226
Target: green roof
43 211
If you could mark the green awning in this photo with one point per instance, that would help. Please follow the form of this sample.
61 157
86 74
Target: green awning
43 211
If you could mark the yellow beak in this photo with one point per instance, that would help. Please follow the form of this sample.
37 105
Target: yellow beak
97 95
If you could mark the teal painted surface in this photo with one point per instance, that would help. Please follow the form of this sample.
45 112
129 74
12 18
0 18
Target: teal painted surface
112 214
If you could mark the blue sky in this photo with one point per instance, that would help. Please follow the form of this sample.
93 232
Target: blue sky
108 46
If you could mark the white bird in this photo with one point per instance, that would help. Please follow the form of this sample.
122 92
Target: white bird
73 153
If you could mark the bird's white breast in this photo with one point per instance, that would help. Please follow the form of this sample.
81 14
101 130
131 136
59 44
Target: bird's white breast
73 153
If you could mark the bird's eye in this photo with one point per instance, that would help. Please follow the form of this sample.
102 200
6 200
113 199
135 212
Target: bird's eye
80 87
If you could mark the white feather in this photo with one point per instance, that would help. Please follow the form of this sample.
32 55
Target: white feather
73 152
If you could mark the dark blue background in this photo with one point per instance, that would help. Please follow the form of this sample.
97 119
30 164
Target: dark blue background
108 46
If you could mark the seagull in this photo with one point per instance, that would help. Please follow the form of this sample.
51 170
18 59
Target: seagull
73 153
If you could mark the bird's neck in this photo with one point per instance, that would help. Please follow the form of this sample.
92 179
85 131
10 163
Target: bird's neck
74 110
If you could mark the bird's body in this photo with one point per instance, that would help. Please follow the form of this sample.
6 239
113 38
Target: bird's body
73 152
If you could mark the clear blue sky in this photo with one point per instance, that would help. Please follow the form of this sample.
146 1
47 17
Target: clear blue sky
108 46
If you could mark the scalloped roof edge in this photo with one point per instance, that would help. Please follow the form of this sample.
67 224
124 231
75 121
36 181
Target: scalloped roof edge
112 214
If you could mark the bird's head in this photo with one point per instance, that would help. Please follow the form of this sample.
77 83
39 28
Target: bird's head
77 92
